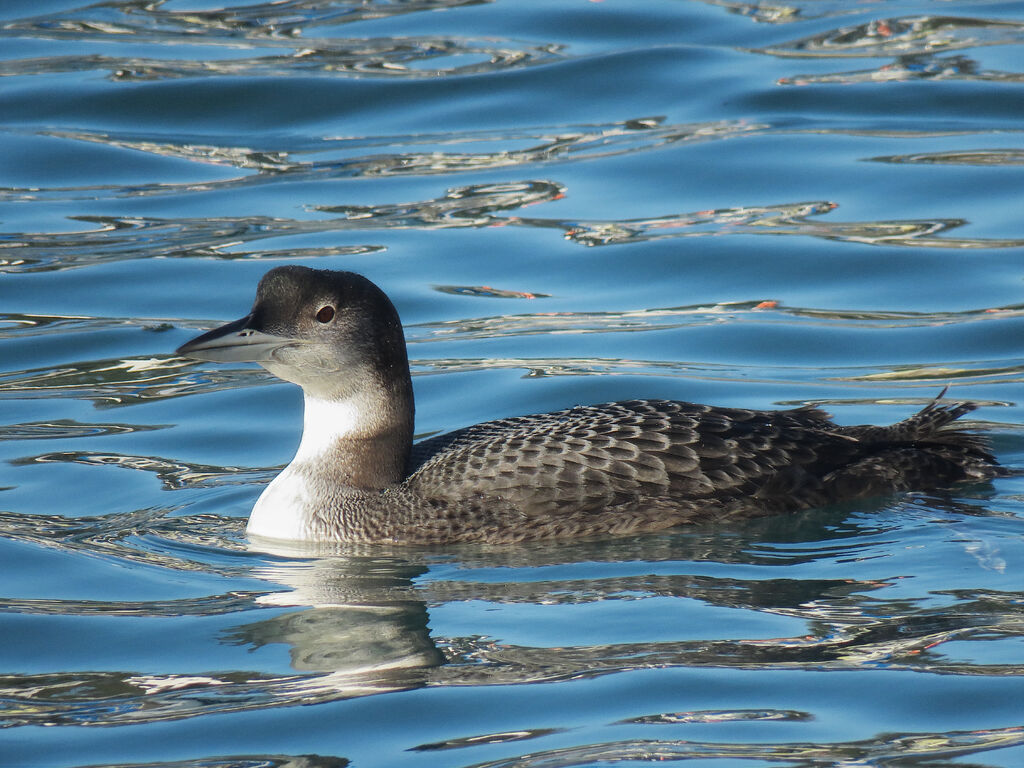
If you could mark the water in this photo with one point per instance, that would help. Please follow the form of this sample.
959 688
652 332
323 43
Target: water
569 202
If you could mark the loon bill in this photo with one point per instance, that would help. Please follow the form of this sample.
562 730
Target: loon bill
632 466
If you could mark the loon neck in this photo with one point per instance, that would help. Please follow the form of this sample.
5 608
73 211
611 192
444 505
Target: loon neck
354 444
360 441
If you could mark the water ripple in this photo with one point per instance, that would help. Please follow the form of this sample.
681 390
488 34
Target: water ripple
111 383
263 26
660 318
210 605
119 698
910 35
915 42
242 761
172 474
485 738
368 630
341 651
959 371
14 325
844 630
268 23
899 747
291 160
779 219
721 716
906 68
406 57
115 239
130 380
984 157
148 537
63 429
121 238
967 370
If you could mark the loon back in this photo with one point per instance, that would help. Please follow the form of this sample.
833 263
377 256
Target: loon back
639 465
654 464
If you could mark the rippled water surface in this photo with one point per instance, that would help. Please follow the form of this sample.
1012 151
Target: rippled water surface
569 202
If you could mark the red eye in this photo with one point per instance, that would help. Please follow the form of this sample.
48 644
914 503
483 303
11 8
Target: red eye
326 314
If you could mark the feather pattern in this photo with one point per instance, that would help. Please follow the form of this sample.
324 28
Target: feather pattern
638 465
648 465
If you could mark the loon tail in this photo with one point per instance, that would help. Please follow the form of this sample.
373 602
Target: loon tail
927 450
931 427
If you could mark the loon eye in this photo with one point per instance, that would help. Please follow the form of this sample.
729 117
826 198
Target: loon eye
326 314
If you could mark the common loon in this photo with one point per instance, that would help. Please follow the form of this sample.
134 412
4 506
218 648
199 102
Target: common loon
633 466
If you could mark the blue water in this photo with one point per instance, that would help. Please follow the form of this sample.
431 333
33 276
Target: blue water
569 202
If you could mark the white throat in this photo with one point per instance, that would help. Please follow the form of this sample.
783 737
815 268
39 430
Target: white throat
324 423
283 509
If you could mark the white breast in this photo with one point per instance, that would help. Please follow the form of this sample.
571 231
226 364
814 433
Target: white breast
283 509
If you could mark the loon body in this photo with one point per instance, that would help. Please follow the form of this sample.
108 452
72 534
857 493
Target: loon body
638 465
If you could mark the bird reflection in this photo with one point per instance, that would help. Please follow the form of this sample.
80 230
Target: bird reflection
363 622
364 617
356 620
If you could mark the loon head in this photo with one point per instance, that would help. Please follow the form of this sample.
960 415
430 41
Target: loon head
339 337
335 334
